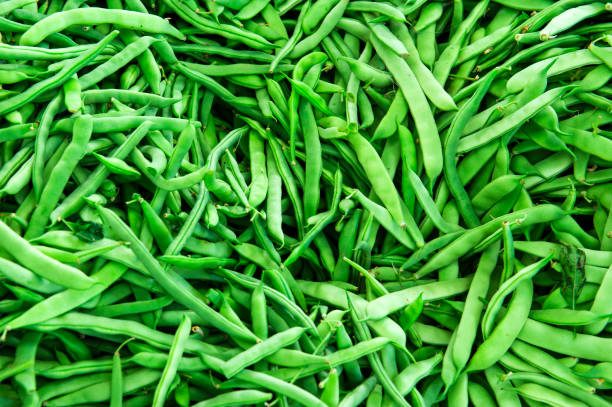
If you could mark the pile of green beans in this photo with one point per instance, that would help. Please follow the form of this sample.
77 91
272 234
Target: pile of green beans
294 202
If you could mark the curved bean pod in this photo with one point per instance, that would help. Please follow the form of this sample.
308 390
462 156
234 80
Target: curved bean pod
93 16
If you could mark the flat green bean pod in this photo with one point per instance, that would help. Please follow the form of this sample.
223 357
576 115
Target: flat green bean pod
507 287
236 398
92 16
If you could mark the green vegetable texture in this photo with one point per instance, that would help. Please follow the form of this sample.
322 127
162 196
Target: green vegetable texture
305 202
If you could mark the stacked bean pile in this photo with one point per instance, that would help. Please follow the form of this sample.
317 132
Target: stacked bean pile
330 203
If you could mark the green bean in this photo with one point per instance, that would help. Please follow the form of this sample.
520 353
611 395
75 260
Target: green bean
597 146
373 166
134 380
18 52
449 55
363 334
351 367
359 393
509 122
233 69
333 295
116 62
102 124
600 307
69 299
536 5
588 398
569 18
314 15
117 166
273 201
428 133
10 5
116 397
176 352
258 313
21 99
502 395
293 40
367 73
507 287
479 396
259 179
468 325
173 282
580 345
327 25
197 262
490 194
280 387
243 104
15 369
407 379
529 52
429 15
506 331
395 114
385 219
74 201
78 368
385 36
483 45
74 320
208 26
565 316
127 80
428 204
135 307
289 182
26 380
67 240
93 15
146 60
45 266
431 87
260 351
236 398
382 9
158 360
54 389
426 45
72 95
392 302
331 390
25 277
534 215
458 392
538 392
274 295
312 233
273 17
308 93
559 65
222 51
